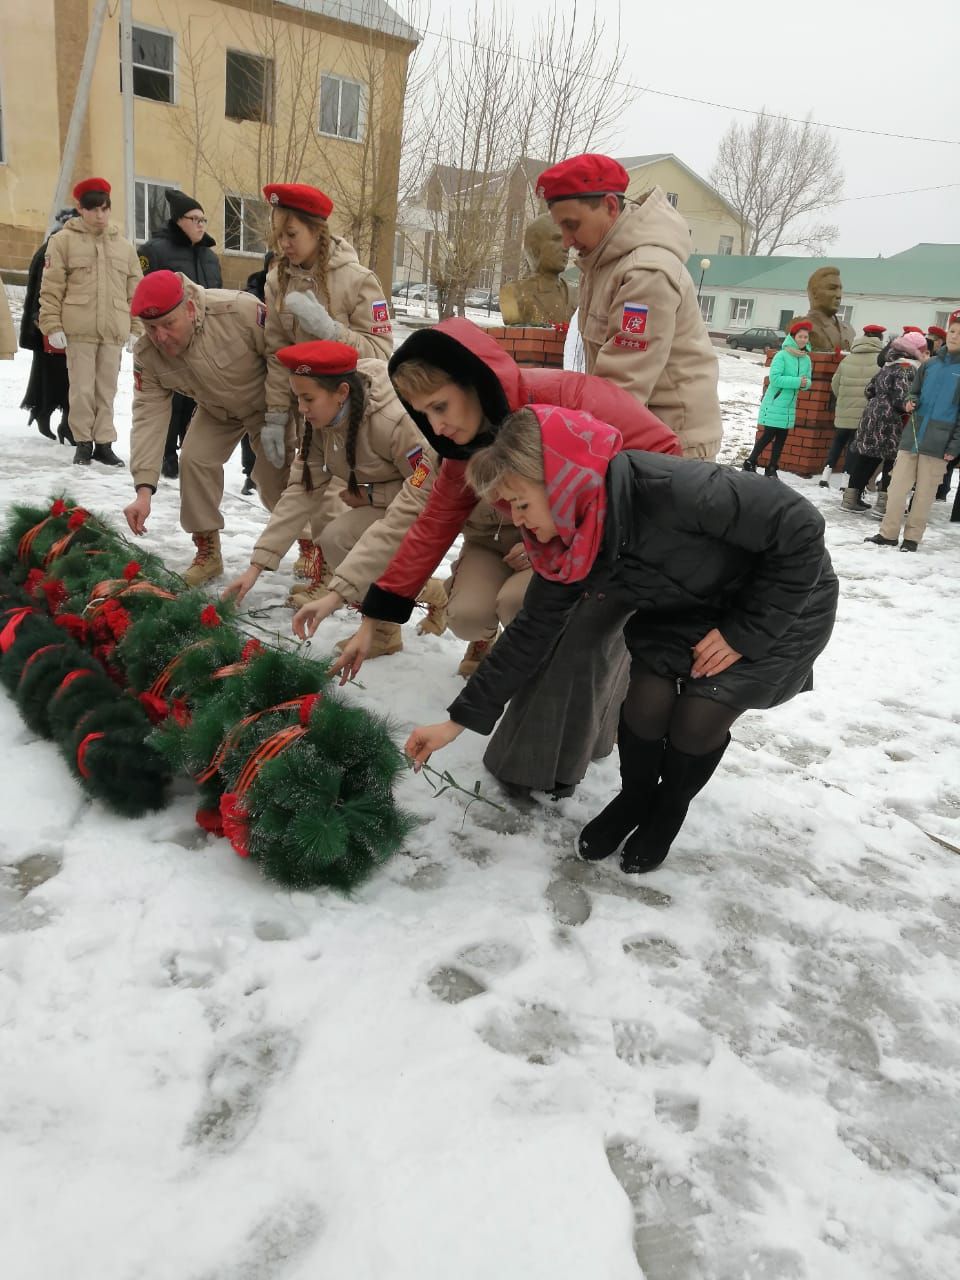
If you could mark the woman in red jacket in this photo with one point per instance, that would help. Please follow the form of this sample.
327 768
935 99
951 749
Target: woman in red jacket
461 386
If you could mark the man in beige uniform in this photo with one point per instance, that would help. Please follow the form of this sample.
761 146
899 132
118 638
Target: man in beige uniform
207 344
639 318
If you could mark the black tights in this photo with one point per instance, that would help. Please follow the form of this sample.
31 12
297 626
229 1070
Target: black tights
655 709
776 437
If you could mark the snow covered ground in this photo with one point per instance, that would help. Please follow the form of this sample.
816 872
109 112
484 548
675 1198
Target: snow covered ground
495 1061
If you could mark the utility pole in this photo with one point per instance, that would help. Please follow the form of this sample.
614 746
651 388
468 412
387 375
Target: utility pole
77 114
129 164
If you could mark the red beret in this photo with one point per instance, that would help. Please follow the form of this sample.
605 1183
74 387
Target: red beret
319 359
954 318
801 324
156 295
936 332
912 328
89 185
299 198
874 330
586 175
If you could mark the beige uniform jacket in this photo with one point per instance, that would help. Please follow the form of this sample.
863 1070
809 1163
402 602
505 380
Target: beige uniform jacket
357 303
395 468
88 281
641 325
223 370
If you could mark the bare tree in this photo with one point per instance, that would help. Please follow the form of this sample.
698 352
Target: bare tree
777 175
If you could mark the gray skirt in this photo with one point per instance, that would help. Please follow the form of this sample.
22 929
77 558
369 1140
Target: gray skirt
568 714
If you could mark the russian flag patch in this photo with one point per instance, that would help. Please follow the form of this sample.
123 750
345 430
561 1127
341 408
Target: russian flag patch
634 318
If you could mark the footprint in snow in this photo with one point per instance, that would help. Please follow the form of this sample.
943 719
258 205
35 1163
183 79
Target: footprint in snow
535 1032
237 1080
18 912
273 1244
453 986
666 1242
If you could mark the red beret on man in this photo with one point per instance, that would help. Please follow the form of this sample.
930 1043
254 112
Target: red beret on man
156 295
936 332
299 198
89 186
586 175
318 359
912 328
801 324
874 330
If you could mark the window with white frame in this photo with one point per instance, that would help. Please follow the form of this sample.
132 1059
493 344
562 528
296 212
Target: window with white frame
245 221
150 207
249 87
741 309
725 246
154 74
706 308
516 224
485 278
341 108
673 198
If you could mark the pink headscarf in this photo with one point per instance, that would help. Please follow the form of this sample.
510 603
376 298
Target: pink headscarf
577 449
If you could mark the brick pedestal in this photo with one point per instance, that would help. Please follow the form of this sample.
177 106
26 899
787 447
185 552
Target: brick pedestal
807 444
542 348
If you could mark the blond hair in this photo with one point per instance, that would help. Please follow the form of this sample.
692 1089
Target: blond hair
320 267
516 451
418 378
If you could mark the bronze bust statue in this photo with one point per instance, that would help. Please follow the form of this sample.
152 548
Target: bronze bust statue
543 297
825 292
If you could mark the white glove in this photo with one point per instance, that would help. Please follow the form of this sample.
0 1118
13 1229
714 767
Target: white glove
312 314
131 342
272 443
58 339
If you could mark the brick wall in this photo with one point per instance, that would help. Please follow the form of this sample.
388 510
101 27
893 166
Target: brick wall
805 449
542 348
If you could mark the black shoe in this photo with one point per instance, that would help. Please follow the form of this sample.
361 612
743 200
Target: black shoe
104 453
942 494
248 485
43 426
64 434
170 467
83 453
562 790
881 541
639 774
824 484
771 473
908 544
749 465
682 778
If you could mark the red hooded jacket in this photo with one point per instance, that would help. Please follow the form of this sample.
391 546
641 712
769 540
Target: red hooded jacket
473 358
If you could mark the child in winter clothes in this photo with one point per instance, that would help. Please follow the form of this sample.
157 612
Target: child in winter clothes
930 438
881 426
89 276
849 385
790 373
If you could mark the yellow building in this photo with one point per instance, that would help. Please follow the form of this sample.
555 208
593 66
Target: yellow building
229 95
714 224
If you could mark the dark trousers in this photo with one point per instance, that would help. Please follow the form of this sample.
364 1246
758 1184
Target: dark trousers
247 455
842 437
181 412
771 435
861 468
944 489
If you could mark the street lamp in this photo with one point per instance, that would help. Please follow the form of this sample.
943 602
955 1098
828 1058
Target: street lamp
704 268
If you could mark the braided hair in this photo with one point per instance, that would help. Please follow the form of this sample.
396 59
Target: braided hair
320 267
359 386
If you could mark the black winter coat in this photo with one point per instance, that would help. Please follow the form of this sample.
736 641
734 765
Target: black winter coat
31 339
691 546
171 250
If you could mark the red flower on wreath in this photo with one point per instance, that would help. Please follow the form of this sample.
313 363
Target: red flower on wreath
131 570
59 508
156 708
210 820
75 626
34 578
56 594
561 327
78 517
181 712
236 823
250 650
209 617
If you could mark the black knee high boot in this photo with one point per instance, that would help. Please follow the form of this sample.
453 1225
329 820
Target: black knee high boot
682 776
640 760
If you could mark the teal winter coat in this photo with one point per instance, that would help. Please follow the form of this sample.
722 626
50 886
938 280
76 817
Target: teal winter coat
778 408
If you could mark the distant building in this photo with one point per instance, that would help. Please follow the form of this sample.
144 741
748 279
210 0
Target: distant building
919 286
714 224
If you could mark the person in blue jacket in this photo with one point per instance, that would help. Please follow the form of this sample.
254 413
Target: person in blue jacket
930 439
790 373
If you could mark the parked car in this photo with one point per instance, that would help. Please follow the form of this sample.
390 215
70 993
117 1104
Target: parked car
756 339
482 298
419 292
400 287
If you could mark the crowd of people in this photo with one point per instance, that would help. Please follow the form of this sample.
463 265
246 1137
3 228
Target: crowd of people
614 584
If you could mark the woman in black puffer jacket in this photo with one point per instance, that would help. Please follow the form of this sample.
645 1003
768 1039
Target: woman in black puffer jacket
732 591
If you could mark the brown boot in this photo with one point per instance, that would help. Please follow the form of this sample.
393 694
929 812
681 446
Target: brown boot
477 650
310 552
316 586
207 563
387 639
434 596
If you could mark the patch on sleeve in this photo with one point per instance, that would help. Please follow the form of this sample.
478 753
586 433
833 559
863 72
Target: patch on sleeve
631 343
379 312
138 377
46 261
419 477
144 263
261 315
381 328
414 455
634 318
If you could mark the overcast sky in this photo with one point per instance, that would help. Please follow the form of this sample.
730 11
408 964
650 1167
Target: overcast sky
871 65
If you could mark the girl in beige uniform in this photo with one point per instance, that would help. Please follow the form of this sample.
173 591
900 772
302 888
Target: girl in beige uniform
356 434
315 288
